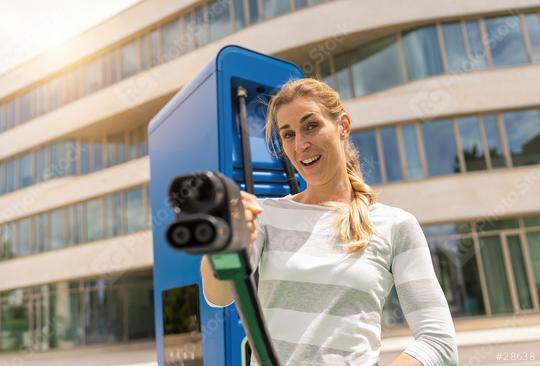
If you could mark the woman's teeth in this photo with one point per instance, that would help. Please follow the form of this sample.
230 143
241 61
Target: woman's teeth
311 160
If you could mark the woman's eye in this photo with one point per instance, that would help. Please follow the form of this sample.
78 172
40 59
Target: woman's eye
286 135
311 125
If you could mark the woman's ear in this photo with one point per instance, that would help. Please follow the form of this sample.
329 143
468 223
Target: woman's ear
344 125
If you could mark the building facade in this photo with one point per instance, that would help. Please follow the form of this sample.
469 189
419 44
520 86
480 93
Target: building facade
445 105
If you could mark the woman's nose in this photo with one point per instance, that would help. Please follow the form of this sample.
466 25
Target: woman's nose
301 143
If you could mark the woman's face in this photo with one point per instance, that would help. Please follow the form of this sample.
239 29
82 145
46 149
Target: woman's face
313 141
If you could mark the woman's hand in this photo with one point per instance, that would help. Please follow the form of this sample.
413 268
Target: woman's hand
251 210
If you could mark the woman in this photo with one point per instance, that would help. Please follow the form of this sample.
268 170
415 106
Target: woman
329 256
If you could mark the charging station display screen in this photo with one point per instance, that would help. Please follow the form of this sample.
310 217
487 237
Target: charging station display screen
182 338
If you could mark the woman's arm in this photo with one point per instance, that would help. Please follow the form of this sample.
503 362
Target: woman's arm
420 295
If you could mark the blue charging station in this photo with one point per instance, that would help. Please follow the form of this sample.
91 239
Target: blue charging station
198 130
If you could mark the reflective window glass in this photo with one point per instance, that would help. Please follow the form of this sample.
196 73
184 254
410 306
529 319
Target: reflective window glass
2 178
343 76
119 221
92 71
8 239
476 47
15 320
440 147
523 134
11 175
170 40
146 53
412 155
84 156
391 154
219 19
325 73
26 238
97 149
496 151
116 149
369 158
41 241
10 113
94 219
130 58
254 13
134 210
64 312
57 93
155 48
533 239
58 219
3 122
376 66
24 107
140 321
454 262
200 30
274 8
104 310
239 14
531 221
26 174
492 225
456 55
471 143
533 28
506 46
518 268
301 4
496 280
79 220
422 53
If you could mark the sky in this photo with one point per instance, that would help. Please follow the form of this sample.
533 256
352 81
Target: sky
29 27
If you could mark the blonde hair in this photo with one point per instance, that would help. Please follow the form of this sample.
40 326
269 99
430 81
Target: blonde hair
354 225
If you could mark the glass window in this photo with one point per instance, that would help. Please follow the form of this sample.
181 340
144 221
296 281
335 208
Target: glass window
111 66
170 40
533 240
58 224
85 155
57 93
200 30
15 320
520 276
26 237
8 239
455 265
140 321
65 315
471 143
414 166
492 225
2 178
456 55
239 14
476 47
134 210
155 48
26 174
274 8
61 160
254 14
446 229
376 66
24 107
119 225
299 4
391 154
104 312
325 73
506 41
10 113
97 154
219 19
108 216
343 76
523 134
130 58
11 175
92 71
533 28
3 122
496 151
78 232
94 219
496 280
422 53
440 148
366 144
146 53
531 221
116 149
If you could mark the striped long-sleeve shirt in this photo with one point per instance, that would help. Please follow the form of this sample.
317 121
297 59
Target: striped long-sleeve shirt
323 306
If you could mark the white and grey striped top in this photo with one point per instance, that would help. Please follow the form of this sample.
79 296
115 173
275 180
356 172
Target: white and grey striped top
324 306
